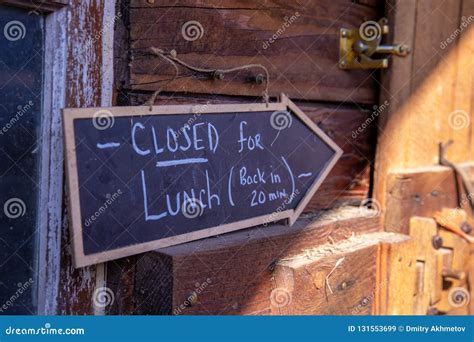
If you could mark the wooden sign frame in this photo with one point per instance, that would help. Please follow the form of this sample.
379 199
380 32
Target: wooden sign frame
70 114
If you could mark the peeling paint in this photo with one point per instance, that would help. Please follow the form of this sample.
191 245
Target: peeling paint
89 84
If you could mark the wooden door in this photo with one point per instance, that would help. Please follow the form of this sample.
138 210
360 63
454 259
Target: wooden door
431 95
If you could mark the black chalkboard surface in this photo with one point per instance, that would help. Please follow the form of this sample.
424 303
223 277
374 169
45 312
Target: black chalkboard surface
142 180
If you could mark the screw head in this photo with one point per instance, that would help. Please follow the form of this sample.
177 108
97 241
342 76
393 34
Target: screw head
344 33
466 227
437 242
360 47
218 75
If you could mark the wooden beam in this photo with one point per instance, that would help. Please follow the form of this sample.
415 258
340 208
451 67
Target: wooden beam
396 276
420 192
285 37
423 229
232 273
332 279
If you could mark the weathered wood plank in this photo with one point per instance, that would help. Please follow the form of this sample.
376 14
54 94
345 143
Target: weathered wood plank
463 107
232 273
420 192
396 276
349 181
120 275
339 279
51 194
298 44
396 89
84 89
433 86
422 229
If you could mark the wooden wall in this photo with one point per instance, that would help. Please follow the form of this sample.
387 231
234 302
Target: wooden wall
244 272
302 63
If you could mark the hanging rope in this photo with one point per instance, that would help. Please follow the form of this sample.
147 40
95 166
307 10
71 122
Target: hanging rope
172 58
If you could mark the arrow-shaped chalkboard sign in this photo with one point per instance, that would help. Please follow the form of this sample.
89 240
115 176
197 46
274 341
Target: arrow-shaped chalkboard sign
142 179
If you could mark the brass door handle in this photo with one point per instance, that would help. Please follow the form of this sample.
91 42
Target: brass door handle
358 46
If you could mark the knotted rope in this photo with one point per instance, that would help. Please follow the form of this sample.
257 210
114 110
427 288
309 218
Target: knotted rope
172 58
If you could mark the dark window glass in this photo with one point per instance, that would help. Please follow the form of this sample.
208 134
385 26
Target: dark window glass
21 78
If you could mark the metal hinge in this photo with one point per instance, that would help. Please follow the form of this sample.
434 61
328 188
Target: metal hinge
357 46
